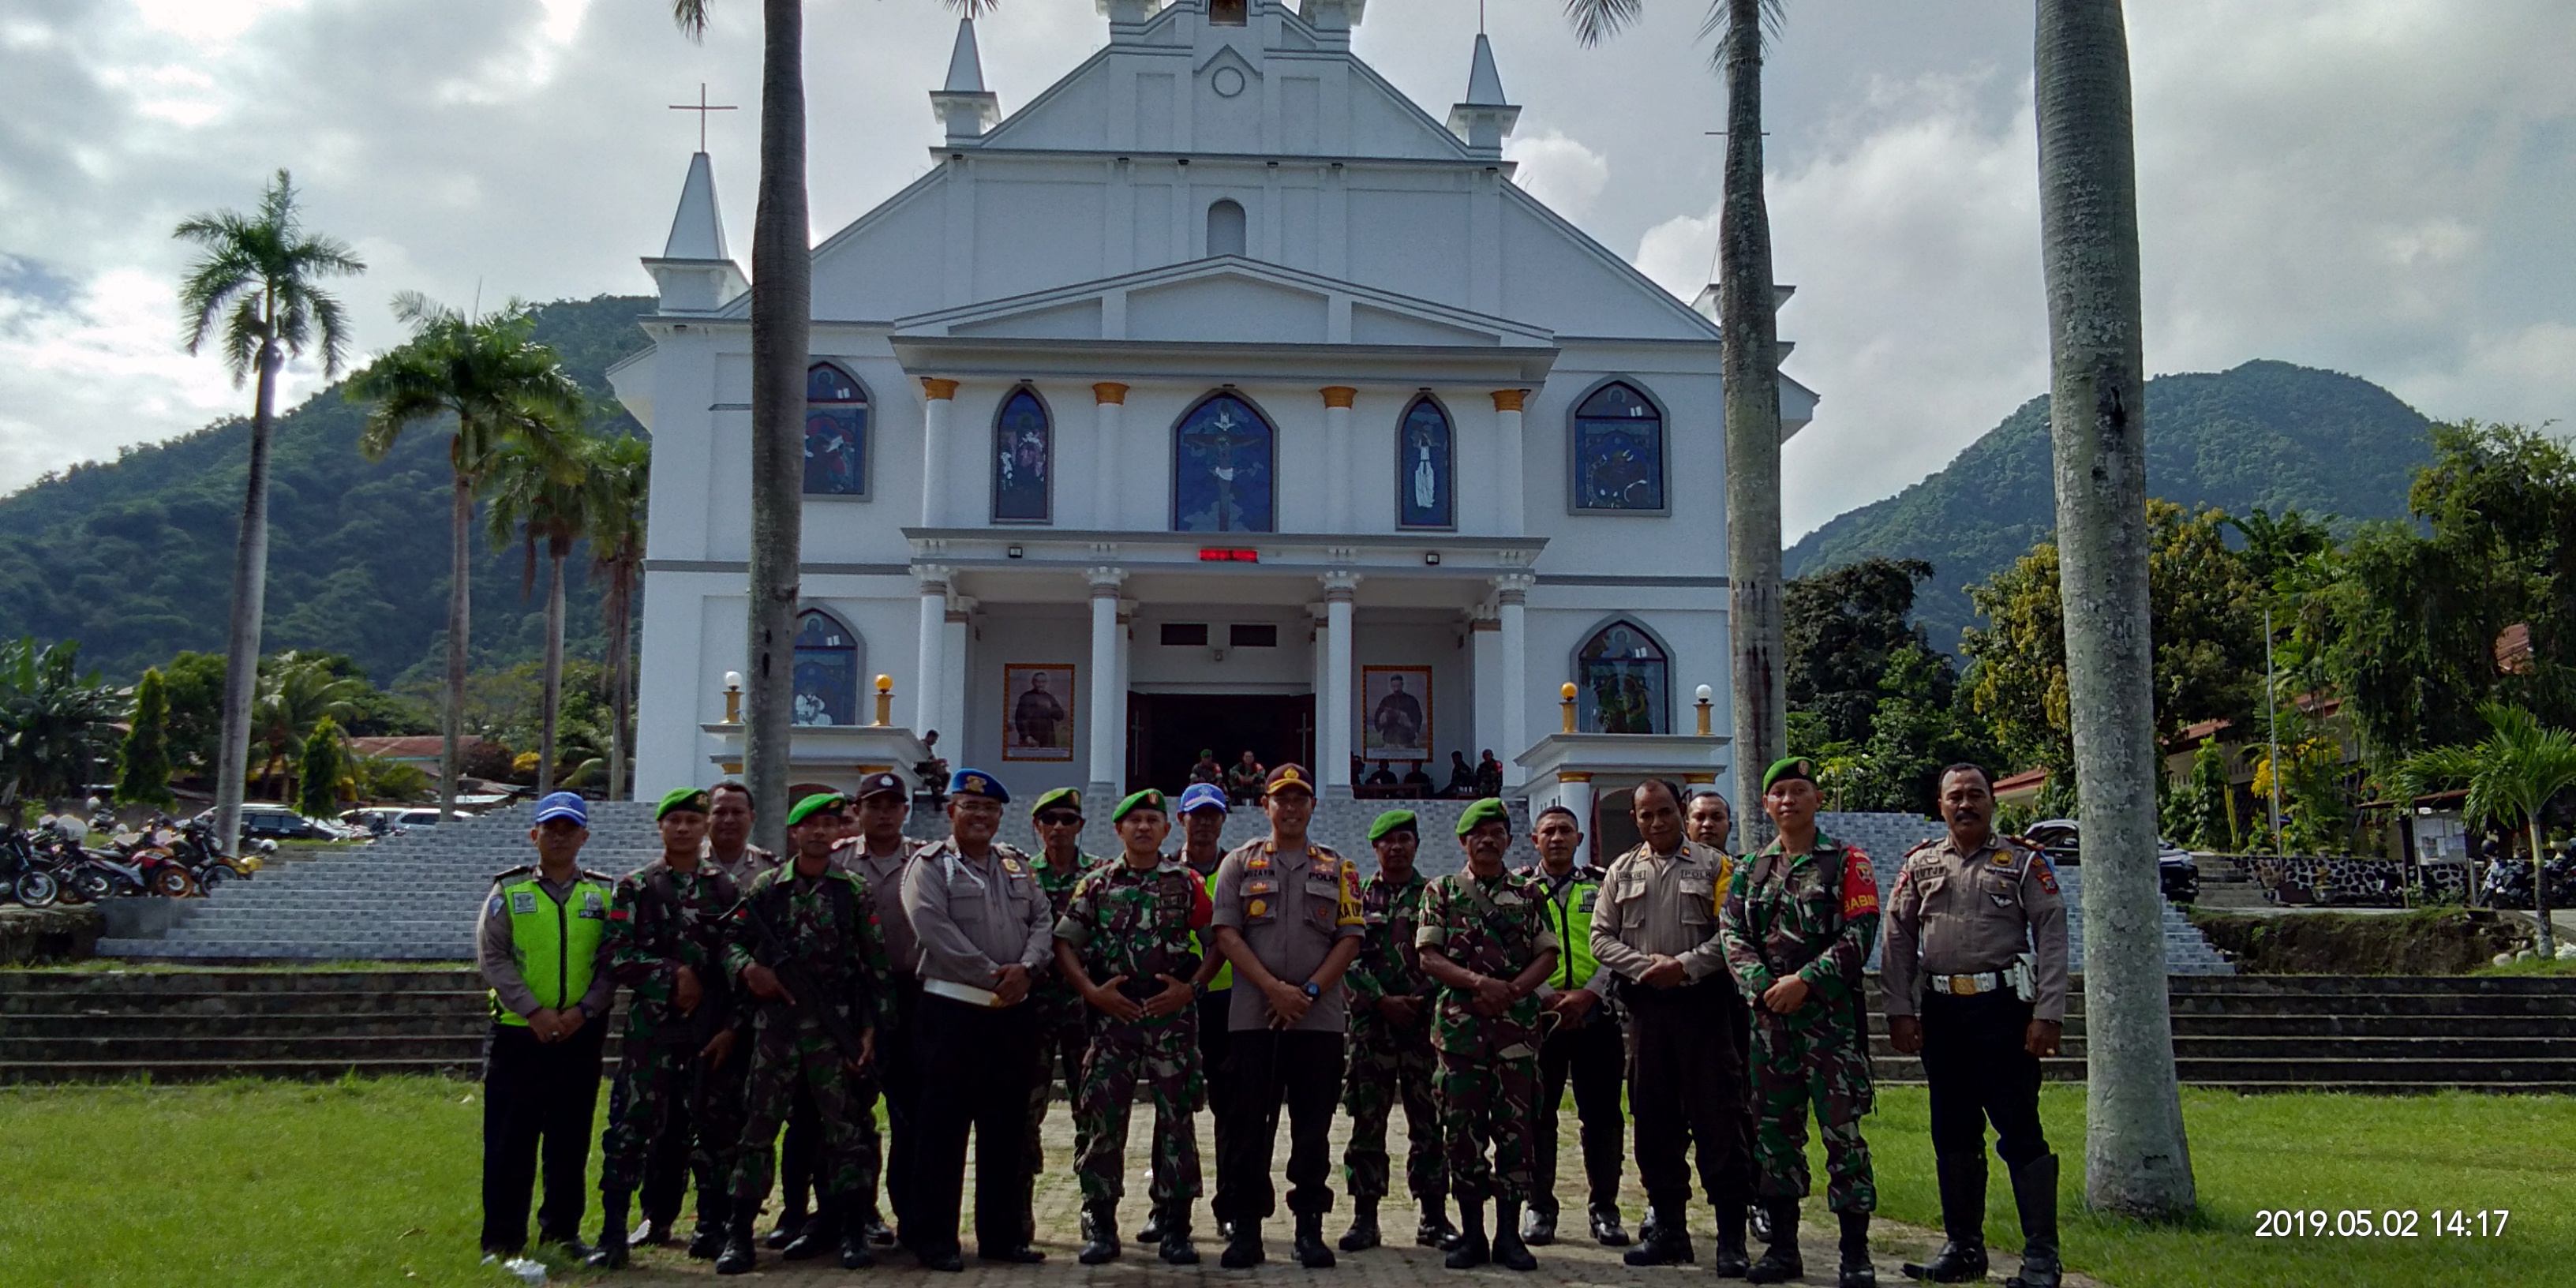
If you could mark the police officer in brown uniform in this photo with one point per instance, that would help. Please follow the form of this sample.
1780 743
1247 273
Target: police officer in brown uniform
879 853
1976 927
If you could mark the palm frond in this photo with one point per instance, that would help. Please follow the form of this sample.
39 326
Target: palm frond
692 17
1598 20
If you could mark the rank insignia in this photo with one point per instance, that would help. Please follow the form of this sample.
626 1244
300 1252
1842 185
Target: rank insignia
2003 858
1257 863
1011 866
1255 908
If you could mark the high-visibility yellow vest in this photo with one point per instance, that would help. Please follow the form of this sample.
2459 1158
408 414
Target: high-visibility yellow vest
1224 977
556 944
1570 915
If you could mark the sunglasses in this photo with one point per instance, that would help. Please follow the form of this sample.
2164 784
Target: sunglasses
1058 820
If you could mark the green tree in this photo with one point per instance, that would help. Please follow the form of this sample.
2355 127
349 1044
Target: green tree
2200 813
492 383
194 683
318 779
1844 626
296 696
621 478
256 291
2511 775
56 723
143 773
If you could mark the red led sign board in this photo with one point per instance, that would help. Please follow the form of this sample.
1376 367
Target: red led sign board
1229 556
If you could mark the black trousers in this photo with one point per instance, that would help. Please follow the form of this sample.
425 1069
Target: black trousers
1216 1049
1687 1088
1592 1057
537 1096
900 1080
1272 1067
1980 1072
975 1064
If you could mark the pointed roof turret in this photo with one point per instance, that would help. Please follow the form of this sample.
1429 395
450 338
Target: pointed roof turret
1486 118
1484 80
695 271
697 230
965 62
962 104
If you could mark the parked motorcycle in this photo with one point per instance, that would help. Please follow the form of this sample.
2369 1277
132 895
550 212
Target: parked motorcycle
2508 882
26 874
192 844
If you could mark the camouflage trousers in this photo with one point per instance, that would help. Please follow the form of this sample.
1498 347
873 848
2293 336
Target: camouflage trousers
1488 1094
1061 1041
1388 1066
1165 1057
1826 1065
662 1089
786 1054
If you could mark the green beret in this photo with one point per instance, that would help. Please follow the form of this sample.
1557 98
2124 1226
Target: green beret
1146 799
688 798
1394 820
1789 767
818 803
1067 797
1489 810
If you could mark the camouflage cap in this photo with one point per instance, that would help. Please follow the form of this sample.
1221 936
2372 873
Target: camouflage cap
1488 810
678 798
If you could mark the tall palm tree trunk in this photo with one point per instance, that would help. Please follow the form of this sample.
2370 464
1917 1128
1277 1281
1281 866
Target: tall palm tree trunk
1749 358
2137 1158
781 316
460 607
2546 946
250 595
556 548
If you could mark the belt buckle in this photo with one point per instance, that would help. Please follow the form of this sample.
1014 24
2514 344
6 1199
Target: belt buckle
1963 986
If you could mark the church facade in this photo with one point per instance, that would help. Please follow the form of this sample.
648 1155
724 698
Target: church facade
1219 399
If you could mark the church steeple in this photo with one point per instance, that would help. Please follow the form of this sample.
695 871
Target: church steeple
962 104
1486 118
695 272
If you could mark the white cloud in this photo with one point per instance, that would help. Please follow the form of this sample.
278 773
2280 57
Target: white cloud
1563 174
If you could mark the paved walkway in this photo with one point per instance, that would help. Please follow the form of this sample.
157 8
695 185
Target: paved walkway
1570 1261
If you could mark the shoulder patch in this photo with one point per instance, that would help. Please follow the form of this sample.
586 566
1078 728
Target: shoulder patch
1860 885
1921 846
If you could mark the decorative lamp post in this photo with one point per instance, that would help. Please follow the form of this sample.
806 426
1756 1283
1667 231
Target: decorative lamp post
1567 693
1704 693
885 700
733 697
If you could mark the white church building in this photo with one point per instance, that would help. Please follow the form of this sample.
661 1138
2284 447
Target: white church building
1219 399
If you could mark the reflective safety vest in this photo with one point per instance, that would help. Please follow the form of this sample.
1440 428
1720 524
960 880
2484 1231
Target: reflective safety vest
1569 914
1224 977
556 945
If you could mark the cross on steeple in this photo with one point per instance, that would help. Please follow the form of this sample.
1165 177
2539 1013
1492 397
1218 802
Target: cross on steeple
702 107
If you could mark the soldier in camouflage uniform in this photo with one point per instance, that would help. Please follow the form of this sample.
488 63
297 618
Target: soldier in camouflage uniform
1799 921
1128 945
829 940
1485 937
1056 1009
666 945
1390 1045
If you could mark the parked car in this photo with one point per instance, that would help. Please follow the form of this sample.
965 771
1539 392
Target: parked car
277 823
2176 870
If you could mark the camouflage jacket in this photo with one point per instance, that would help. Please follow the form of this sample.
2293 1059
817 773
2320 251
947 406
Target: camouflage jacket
829 925
1814 915
659 920
1137 924
1389 964
1052 999
1495 926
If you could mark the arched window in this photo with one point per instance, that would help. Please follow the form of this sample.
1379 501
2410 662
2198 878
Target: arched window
1023 455
1423 481
836 433
1622 682
1225 229
1618 451
827 670
1228 13
1221 459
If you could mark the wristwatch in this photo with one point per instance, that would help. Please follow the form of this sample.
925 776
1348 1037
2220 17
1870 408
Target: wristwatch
1314 991
1198 988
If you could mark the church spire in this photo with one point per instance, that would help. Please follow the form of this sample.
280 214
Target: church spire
695 272
697 229
1487 117
963 104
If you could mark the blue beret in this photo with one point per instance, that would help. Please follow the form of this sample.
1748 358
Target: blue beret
975 782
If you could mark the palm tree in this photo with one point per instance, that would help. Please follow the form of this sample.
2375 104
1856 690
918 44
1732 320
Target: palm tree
56 723
255 291
2137 1156
295 697
2511 777
1749 363
782 289
528 497
498 385
620 475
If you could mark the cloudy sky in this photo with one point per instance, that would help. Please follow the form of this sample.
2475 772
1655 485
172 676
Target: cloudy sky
2379 186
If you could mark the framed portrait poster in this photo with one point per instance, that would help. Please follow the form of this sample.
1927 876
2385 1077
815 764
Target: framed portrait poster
1037 711
1395 702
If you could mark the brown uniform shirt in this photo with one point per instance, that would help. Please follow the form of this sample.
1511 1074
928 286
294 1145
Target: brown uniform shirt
1665 904
972 918
1960 914
885 886
750 863
1289 908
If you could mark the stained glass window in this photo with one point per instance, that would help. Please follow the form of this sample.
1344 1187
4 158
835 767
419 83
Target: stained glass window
1422 478
1221 458
1622 686
1618 451
1023 451
827 671
836 433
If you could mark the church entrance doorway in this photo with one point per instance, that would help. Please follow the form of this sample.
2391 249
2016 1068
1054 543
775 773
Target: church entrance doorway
1167 731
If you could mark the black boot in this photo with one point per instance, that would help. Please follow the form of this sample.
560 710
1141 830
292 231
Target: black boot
611 1252
1856 1271
1781 1261
710 1240
1434 1230
1472 1249
1312 1252
1243 1246
1667 1241
740 1244
1732 1258
821 1232
2035 1191
1152 1230
791 1222
1509 1252
1537 1227
1175 1236
1099 1232
1606 1229
651 1232
1962 1258
1363 1233
853 1231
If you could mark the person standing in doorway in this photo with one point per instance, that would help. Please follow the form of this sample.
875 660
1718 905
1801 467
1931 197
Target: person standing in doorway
1586 1048
1391 1060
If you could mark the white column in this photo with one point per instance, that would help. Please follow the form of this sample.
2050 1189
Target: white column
1485 635
1107 720
930 685
1118 701
942 395
1109 419
1574 791
953 674
1509 498
1341 590
1338 484
1513 612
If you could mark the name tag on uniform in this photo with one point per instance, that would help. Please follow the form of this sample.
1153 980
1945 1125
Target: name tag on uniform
1259 885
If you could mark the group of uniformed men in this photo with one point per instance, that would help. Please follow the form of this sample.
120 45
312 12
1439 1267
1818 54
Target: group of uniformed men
958 980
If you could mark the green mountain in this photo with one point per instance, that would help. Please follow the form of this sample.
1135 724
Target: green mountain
133 557
2265 434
